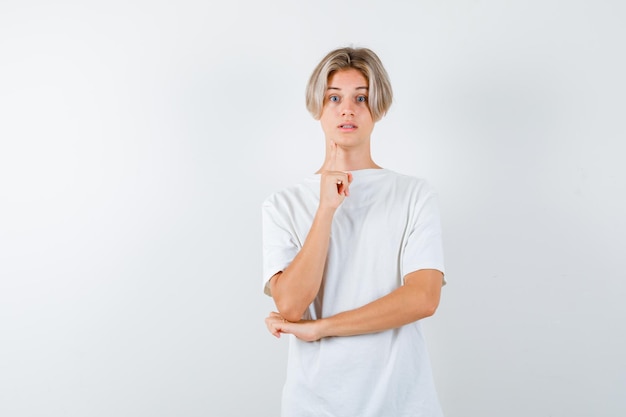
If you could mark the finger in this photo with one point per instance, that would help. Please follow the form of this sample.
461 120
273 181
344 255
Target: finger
333 155
273 326
284 327
343 183
339 180
270 326
347 190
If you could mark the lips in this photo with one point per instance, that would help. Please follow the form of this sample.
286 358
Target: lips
347 126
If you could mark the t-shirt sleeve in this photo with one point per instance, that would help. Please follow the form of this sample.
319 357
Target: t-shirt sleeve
424 246
279 243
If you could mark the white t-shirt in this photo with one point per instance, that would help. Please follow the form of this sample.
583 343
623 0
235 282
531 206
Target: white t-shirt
388 227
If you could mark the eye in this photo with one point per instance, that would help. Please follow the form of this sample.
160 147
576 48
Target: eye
333 98
361 99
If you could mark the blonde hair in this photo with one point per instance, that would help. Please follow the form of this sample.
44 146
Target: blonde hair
367 62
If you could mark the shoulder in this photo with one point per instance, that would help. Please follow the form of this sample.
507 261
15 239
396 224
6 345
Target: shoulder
302 191
411 185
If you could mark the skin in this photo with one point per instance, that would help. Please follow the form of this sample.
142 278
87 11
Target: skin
347 124
345 103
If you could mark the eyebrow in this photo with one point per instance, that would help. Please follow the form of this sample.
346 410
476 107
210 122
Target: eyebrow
337 88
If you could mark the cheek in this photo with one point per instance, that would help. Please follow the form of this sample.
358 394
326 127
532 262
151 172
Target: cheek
324 121
327 113
366 115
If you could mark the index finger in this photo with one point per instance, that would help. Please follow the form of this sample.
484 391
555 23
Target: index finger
333 155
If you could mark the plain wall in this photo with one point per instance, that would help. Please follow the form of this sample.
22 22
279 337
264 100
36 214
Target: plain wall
138 140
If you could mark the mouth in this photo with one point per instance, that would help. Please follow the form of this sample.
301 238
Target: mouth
347 126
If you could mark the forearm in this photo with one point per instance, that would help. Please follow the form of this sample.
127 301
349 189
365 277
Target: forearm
297 286
409 303
416 299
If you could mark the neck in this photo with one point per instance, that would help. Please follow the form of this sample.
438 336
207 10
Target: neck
348 159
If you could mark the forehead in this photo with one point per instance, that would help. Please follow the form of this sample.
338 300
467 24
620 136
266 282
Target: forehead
347 79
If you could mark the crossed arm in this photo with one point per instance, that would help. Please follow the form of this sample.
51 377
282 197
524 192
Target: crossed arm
295 288
416 299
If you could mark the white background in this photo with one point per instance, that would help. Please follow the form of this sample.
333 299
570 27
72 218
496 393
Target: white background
138 140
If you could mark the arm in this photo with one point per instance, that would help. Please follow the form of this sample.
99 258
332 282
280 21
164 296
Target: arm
416 299
295 288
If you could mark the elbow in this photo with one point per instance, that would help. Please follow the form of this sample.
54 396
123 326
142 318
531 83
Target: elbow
290 312
430 309
289 307
424 287
292 316
427 308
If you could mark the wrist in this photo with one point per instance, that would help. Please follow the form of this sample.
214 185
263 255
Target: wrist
323 328
324 215
324 210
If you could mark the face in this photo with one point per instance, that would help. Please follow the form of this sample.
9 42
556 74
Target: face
346 118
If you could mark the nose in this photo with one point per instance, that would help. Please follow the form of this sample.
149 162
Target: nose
347 110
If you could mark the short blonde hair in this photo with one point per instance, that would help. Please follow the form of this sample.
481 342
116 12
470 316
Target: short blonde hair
367 62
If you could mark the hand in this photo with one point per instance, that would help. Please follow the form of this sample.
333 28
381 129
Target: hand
334 185
306 330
